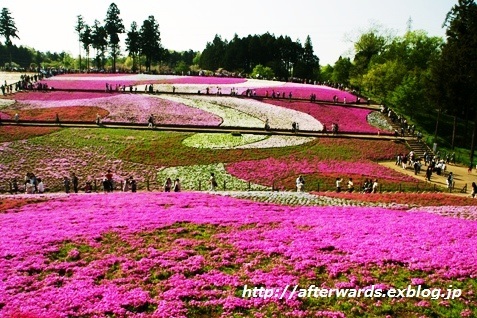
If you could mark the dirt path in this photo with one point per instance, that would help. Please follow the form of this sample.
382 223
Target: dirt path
461 176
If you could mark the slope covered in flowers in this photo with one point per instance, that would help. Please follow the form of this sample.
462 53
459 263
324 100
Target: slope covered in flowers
304 91
143 154
349 119
121 107
190 254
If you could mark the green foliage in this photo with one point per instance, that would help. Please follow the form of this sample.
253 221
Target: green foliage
341 71
262 72
368 46
326 73
409 95
99 43
455 75
382 79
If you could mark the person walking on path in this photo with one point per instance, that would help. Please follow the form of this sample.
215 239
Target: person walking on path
428 173
375 186
213 182
338 184
66 182
168 185
300 184
109 182
151 121
133 184
450 181
177 185
350 185
75 181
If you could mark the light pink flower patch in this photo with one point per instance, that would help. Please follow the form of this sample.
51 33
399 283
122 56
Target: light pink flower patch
124 107
57 95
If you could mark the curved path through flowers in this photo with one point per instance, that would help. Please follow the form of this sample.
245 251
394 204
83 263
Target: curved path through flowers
203 129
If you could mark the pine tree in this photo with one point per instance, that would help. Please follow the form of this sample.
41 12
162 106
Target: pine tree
8 30
113 26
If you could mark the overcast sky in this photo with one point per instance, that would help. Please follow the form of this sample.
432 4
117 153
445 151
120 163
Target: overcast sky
48 25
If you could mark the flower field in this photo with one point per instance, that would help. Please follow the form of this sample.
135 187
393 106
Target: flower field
304 91
283 171
144 154
348 119
190 255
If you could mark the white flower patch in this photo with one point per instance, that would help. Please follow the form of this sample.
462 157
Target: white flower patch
226 89
279 117
230 116
4 103
277 142
377 119
221 141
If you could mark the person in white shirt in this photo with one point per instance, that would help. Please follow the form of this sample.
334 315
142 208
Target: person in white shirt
40 186
338 184
350 185
300 184
375 186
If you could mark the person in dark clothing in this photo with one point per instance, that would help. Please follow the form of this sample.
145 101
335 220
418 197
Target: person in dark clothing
66 182
133 184
74 180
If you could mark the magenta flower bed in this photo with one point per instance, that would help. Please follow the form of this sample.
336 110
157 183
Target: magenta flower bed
305 90
92 75
206 80
89 84
96 255
349 119
266 171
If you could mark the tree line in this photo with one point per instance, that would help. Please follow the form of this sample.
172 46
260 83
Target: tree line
263 56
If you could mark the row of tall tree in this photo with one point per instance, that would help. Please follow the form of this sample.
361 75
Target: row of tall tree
283 56
144 41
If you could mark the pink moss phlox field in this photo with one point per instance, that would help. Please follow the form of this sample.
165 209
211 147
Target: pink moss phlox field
303 238
57 96
124 107
204 80
265 171
349 119
323 93
89 84
91 75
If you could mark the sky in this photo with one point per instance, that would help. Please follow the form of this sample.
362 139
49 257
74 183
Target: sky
333 25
